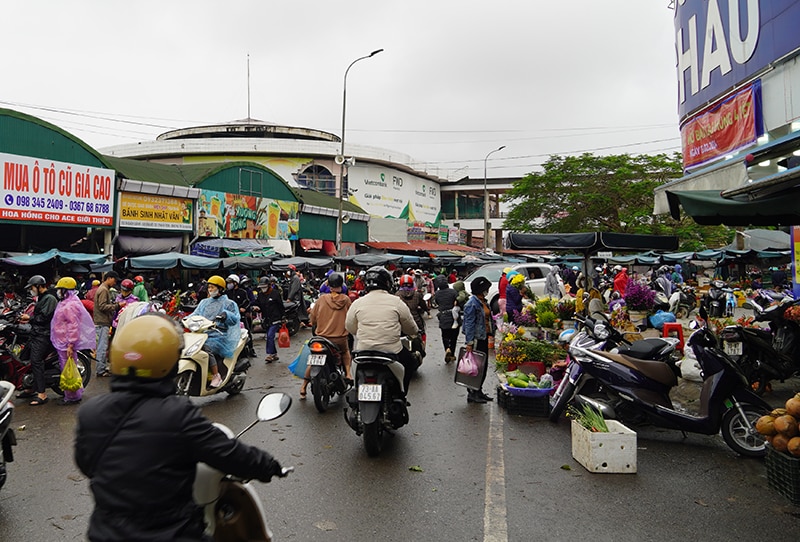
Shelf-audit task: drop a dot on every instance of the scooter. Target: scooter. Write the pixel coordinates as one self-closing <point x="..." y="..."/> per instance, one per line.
<point x="327" y="373"/>
<point x="683" y="301"/>
<point x="193" y="366"/>
<point x="715" y="299"/>
<point x="377" y="402"/>
<point x="6" y="433"/>
<point x="232" y="508"/>
<point x="637" y="391"/>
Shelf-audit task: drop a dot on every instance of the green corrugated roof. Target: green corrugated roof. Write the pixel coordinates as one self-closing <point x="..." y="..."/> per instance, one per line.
<point x="173" y="174"/>
<point x="312" y="197"/>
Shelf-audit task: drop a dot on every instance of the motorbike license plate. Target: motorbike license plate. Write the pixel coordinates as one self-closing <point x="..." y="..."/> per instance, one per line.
<point x="732" y="348"/>
<point x="316" y="360"/>
<point x="369" y="392"/>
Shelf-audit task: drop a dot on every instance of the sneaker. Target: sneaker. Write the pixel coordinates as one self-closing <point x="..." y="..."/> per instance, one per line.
<point x="216" y="381"/>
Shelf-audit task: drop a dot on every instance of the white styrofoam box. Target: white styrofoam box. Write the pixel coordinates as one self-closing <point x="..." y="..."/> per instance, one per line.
<point x="614" y="451"/>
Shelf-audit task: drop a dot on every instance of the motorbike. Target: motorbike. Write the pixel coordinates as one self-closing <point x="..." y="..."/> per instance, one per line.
<point x="636" y="391"/>
<point x="231" y="507"/>
<point x="291" y="317"/>
<point x="765" y="354"/>
<point x="15" y="365"/>
<point x="6" y="432"/>
<point x="193" y="365"/>
<point x="715" y="301"/>
<point x="327" y="373"/>
<point x="377" y="402"/>
<point x="683" y="301"/>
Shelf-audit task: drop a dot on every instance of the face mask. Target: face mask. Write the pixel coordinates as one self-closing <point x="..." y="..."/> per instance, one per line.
<point x="213" y="292"/>
<point x="229" y="286"/>
<point x="34" y="292"/>
<point x="61" y="293"/>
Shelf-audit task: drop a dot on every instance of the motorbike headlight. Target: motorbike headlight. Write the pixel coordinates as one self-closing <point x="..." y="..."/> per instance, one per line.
<point x="194" y="326"/>
<point x="601" y="331"/>
<point x="192" y="350"/>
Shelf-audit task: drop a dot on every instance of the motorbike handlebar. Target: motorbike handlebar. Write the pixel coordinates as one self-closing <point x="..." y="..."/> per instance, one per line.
<point x="285" y="471"/>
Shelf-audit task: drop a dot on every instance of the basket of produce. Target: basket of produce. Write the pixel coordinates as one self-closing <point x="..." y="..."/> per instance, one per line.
<point x="782" y="429"/>
<point x="521" y="384"/>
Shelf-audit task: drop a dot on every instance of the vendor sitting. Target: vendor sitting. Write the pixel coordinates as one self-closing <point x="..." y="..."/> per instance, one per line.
<point x="223" y="339"/>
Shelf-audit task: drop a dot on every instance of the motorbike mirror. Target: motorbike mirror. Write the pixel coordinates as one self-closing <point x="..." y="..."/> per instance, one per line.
<point x="703" y="313"/>
<point x="273" y="406"/>
<point x="190" y="285"/>
<point x="693" y="324"/>
<point x="427" y="297"/>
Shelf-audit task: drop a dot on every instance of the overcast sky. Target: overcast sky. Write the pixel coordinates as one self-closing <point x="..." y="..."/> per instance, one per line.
<point x="456" y="80"/>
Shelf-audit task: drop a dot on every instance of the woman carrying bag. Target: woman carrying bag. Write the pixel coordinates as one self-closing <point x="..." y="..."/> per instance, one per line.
<point x="478" y="326"/>
<point x="71" y="330"/>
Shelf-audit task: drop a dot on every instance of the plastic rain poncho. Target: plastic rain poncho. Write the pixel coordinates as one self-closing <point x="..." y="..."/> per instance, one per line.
<point x="71" y="325"/>
<point x="225" y="337"/>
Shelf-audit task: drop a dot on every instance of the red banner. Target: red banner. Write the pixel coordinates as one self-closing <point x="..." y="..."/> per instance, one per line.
<point x="724" y="129"/>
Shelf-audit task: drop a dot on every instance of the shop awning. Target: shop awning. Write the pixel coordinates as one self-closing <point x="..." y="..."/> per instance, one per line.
<point x="173" y="259"/>
<point x="301" y="263"/>
<point x="63" y="257"/>
<point x="709" y="208"/>
<point x="590" y="243"/>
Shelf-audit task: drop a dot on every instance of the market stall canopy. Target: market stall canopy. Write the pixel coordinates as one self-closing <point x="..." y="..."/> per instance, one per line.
<point x="709" y="208"/>
<point x="215" y="248"/>
<point x="246" y="262"/>
<point x="368" y="260"/>
<point x="63" y="257"/>
<point x="173" y="259"/>
<point x="301" y="263"/>
<point x="590" y="243"/>
<point x="762" y="240"/>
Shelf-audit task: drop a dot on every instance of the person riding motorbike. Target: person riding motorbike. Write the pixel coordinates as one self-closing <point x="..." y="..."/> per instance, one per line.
<point x="378" y="320"/>
<point x="412" y="297"/>
<point x="223" y="339"/>
<point x="140" y="444"/>
<point x="240" y="296"/>
<point x="39" y="344"/>
<point x="294" y="292"/>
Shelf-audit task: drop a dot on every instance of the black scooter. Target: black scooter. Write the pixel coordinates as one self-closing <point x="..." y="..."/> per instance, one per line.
<point x="327" y="373"/>
<point x="6" y="433"/>
<point x="637" y="391"/>
<point x="716" y="298"/>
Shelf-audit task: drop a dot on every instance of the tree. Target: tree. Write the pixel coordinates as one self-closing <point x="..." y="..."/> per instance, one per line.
<point x="604" y="193"/>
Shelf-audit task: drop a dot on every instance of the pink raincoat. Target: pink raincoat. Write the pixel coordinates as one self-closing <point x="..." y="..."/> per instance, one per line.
<point x="72" y="325"/>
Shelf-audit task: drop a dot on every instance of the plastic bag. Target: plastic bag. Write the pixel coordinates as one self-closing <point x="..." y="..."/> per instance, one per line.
<point x="298" y="366"/>
<point x="467" y="364"/>
<point x="70" y="377"/>
<point x="283" y="337"/>
<point x="660" y="318"/>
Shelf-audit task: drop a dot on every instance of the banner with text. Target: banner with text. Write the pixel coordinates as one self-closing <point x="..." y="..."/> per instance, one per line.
<point x="723" y="129"/>
<point x="246" y="217"/>
<point x="38" y="190"/>
<point x="156" y="212"/>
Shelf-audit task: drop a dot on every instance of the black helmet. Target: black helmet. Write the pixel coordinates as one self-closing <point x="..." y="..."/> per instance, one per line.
<point x="335" y="280"/>
<point x="36" y="280"/>
<point x="480" y="285"/>
<point x="378" y="278"/>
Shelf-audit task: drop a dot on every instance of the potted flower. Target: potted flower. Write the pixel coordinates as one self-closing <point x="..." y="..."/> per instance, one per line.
<point x="639" y="300"/>
<point x="565" y="310"/>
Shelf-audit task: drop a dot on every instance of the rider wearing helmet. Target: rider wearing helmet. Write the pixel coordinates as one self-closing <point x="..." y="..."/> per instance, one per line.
<point x="39" y="344"/>
<point x="244" y="301"/>
<point x="412" y="297"/>
<point x="71" y="330"/>
<point x="140" y="444"/>
<point x="139" y="290"/>
<point x="378" y="319"/>
<point x="325" y="287"/>
<point x="126" y="294"/>
<point x="294" y="292"/>
<point x="223" y="339"/>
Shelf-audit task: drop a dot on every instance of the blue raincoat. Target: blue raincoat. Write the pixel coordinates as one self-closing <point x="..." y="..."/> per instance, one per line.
<point x="222" y="340"/>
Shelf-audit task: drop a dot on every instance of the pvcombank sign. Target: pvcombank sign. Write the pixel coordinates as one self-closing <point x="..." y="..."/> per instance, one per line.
<point x="721" y="44"/>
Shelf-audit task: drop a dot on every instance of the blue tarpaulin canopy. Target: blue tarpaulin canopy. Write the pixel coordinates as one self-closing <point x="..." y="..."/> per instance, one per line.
<point x="63" y="257"/>
<point x="173" y="259"/>
<point x="301" y="263"/>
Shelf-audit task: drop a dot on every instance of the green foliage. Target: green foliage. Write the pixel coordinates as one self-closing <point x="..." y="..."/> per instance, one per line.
<point x="604" y="193"/>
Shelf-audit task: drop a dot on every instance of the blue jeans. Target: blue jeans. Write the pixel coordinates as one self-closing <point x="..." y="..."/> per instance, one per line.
<point x="271" y="332"/>
<point x="101" y="334"/>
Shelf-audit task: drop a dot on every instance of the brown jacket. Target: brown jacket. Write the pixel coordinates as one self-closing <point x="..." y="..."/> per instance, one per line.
<point x="328" y="315"/>
<point x="104" y="307"/>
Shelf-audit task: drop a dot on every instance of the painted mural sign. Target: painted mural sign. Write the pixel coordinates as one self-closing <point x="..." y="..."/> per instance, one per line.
<point x="156" y="212"/>
<point x="37" y="190"/>
<point x="234" y="216"/>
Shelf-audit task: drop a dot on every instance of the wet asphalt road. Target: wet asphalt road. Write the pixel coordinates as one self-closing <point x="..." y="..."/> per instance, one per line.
<point x="692" y="489"/>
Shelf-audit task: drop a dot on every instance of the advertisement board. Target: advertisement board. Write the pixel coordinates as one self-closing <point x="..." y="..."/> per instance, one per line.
<point x="723" y="43"/>
<point x="389" y="193"/>
<point x="37" y="190"/>
<point x="156" y="212"/>
<point x="234" y="216"/>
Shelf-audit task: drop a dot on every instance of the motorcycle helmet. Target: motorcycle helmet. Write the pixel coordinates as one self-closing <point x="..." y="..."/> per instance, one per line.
<point x="292" y="267"/>
<point x="36" y="280"/>
<point x="138" y="278"/>
<point x="362" y="273"/>
<point x="67" y="283"/>
<point x="263" y="283"/>
<point x="480" y="285"/>
<point x="335" y="280"/>
<point x="378" y="278"/>
<point x="617" y="268"/>
<point x="406" y="281"/>
<point x="217" y="281"/>
<point x="147" y="347"/>
<point x="232" y="278"/>
<point x="506" y="270"/>
<point x="127" y="285"/>
<point x="95" y="282"/>
<point x="566" y="336"/>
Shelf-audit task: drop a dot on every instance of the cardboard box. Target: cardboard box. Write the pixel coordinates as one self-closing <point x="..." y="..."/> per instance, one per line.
<point x="612" y="452"/>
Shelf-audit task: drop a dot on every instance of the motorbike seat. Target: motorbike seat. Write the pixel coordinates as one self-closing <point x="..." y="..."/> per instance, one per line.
<point x="373" y="354"/>
<point x="655" y="370"/>
<point x="643" y="349"/>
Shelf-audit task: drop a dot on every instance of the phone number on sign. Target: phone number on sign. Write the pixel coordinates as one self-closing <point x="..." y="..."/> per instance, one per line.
<point x="52" y="203"/>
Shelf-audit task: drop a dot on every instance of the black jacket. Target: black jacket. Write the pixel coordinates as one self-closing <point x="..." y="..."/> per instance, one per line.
<point x="271" y="305"/>
<point x="446" y="300"/>
<point x="43" y="313"/>
<point x="142" y="481"/>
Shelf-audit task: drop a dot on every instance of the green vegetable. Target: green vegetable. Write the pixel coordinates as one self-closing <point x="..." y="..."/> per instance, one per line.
<point x="517" y="383"/>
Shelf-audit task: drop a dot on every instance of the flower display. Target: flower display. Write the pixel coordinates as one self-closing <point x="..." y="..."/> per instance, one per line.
<point x="527" y="317"/>
<point x="792" y="313"/>
<point x="565" y="309"/>
<point x="639" y="296"/>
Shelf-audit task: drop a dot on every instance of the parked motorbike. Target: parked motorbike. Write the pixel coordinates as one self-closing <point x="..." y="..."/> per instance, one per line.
<point x="377" y="402"/>
<point x="765" y="354"/>
<point x="15" y="365"/>
<point x="193" y="366"/>
<point x="6" y="432"/>
<point x="327" y="373"/>
<point x="716" y="299"/>
<point x="232" y="508"/>
<point x="637" y="391"/>
<point x="683" y="301"/>
<point x="291" y="317"/>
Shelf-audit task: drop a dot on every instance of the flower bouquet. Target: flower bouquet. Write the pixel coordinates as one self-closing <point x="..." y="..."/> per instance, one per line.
<point x="565" y="309"/>
<point x="639" y="296"/>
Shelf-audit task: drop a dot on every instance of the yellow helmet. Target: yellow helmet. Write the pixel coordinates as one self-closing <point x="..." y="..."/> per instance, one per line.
<point x="506" y="269"/>
<point x="146" y="347"/>
<point x="68" y="283"/>
<point x="217" y="281"/>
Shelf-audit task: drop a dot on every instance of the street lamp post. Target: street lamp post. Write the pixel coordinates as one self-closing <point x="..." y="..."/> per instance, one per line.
<point x="341" y="154"/>
<point x="486" y="201"/>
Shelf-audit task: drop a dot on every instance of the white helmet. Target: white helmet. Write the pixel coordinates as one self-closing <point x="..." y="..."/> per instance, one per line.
<point x="232" y="278"/>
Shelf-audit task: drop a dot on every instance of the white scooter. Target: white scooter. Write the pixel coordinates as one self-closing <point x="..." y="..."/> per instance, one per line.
<point x="232" y="508"/>
<point x="193" y="367"/>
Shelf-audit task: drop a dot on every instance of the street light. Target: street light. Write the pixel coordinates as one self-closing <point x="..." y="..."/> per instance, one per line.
<point x="341" y="157"/>
<point x="486" y="201"/>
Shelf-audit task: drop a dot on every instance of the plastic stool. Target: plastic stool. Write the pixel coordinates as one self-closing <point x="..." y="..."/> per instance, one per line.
<point x="669" y="327"/>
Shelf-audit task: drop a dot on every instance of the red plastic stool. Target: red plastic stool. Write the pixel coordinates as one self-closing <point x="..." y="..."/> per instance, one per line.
<point x="669" y="327"/>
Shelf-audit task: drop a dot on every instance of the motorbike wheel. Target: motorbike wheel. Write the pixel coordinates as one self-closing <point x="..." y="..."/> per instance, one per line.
<point x="183" y="383"/>
<point x="373" y="438"/>
<point x="83" y="362"/>
<point x="293" y="325"/>
<point x="682" y="312"/>
<point x="235" y="388"/>
<point x="562" y="397"/>
<point x="319" y="389"/>
<point x="740" y="432"/>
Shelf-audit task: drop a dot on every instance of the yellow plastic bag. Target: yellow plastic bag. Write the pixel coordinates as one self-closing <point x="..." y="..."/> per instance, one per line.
<point x="70" y="377"/>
